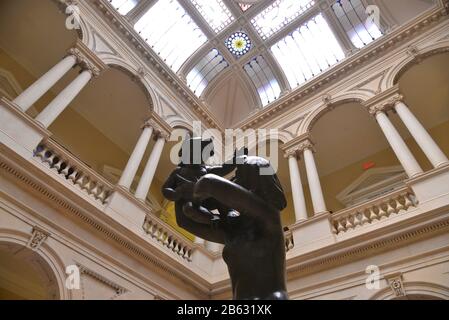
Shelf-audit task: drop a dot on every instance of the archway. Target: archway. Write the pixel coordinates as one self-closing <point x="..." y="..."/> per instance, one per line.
<point x="25" y="275"/>
<point x="348" y="143"/>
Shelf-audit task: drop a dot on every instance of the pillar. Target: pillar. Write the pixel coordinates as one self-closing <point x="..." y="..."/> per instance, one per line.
<point x="150" y="169"/>
<point x="60" y="103"/>
<point x="297" y="190"/>
<point x="421" y="136"/>
<point x="28" y="97"/>
<point x="134" y="161"/>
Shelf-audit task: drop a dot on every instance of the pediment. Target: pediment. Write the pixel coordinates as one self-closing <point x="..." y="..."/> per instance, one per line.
<point x="371" y="184"/>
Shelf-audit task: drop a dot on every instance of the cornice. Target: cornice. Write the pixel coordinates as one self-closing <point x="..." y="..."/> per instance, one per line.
<point x="338" y="72"/>
<point x="156" y="63"/>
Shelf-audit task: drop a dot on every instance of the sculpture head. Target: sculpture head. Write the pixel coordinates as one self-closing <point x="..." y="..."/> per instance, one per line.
<point x="196" y="150"/>
<point x="257" y="175"/>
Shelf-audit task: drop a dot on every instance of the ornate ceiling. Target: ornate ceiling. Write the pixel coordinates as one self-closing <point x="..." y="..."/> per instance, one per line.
<point x="241" y="56"/>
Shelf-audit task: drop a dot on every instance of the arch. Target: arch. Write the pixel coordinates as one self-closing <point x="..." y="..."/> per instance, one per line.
<point x="316" y="114"/>
<point x="135" y="77"/>
<point x="53" y="263"/>
<point x="394" y="75"/>
<point x="176" y="122"/>
<point x="415" y="288"/>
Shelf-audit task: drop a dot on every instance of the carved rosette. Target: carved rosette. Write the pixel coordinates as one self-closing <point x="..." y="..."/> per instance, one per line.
<point x="396" y="284"/>
<point x="38" y="237"/>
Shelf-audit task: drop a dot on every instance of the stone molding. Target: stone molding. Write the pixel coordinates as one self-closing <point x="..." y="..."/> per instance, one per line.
<point x="38" y="237"/>
<point x="160" y="127"/>
<point x="384" y="101"/>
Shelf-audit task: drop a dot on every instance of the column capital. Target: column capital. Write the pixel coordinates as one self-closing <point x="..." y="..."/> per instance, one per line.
<point x="160" y="127"/>
<point x="297" y="146"/>
<point x="87" y="59"/>
<point x="384" y="101"/>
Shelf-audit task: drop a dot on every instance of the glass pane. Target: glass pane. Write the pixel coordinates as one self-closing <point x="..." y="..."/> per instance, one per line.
<point x="170" y="31"/>
<point x="124" y="6"/>
<point x="205" y="71"/>
<point x="214" y="12"/>
<point x="308" y="51"/>
<point x="263" y="79"/>
<point x="355" y="21"/>
<point x="278" y="15"/>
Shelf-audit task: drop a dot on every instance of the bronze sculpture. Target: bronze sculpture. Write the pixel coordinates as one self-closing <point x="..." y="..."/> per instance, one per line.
<point x="248" y="223"/>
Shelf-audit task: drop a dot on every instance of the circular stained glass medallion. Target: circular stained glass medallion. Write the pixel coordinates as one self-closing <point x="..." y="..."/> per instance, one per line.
<point x="239" y="43"/>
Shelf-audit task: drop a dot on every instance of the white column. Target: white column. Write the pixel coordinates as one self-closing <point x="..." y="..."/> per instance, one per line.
<point x="422" y="137"/>
<point x="58" y="105"/>
<point x="319" y="206"/>
<point x="299" y="201"/>
<point x="134" y="161"/>
<point x="150" y="169"/>
<point x="28" y="97"/>
<point x="398" y="145"/>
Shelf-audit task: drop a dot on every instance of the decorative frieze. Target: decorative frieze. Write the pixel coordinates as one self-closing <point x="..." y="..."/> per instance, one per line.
<point x="38" y="237"/>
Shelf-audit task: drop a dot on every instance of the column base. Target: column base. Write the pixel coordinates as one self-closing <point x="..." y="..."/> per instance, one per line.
<point x="312" y="234"/>
<point x="18" y="130"/>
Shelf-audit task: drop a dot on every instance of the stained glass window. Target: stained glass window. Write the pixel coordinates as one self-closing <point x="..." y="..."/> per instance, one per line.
<point x="171" y="32"/>
<point x="263" y="79"/>
<point x="214" y="12"/>
<point x="353" y="18"/>
<point x="278" y="15"/>
<point x="205" y="71"/>
<point x="239" y="43"/>
<point x="123" y="6"/>
<point x="308" y="51"/>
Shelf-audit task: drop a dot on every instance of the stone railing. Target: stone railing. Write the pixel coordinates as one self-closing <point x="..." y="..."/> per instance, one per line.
<point x="168" y="237"/>
<point x="73" y="171"/>
<point x="382" y="208"/>
<point x="289" y="243"/>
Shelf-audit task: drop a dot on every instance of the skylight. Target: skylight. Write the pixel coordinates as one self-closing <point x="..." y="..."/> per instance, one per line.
<point x="353" y="18"/>
<point x="308" y="51"/>
<point x="123" y="6"/>
<point x="205" y="71"/>
<point x="170" y="31"/>
<point x="214" y="12"/>
<point x="263" y="79"/>
<point x="278" y="15"/>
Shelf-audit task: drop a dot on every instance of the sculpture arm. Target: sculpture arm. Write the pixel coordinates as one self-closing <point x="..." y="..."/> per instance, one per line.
<point x="203" y="231"/>
<point x="236" y="197"/>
